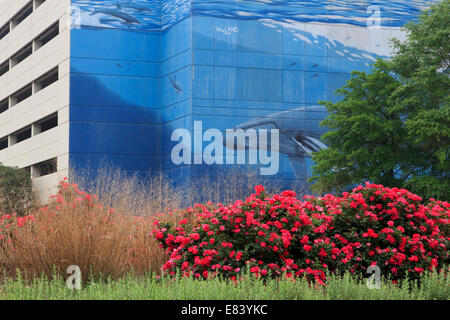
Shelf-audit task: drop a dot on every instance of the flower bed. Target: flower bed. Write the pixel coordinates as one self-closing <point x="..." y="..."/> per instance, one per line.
<point x="274" y="235"/>
<point x="270" y="235"/>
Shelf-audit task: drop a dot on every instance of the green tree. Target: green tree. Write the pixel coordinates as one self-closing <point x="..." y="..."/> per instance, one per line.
<point x="367" y="138"/>
<point x="392" y="124"/>
<point x="16" y="191"/>
<point x="422" y="62"/>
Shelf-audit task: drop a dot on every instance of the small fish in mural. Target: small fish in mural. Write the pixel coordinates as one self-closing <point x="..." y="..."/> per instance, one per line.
<point x="133" y="5"/>
<point x="348" y="38"/>
<point x="116" y="13"/>
<point x="292" y="64"/>
<point x="316" y="75"/>
<point x="316" y="65"/>
<point x="175" y="84"/>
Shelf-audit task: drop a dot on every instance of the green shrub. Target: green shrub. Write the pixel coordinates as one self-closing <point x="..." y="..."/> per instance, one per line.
<point x="16" y="191"/>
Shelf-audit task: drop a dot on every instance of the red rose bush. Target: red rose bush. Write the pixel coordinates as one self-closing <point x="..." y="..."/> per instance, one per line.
<point x="282" y="235"/>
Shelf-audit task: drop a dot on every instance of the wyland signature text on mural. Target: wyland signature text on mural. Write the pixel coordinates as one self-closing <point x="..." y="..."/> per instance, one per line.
<point x="227" y="30"/>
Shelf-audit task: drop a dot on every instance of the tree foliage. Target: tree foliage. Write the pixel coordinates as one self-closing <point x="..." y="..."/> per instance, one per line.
<point x="16" y="191"/>
<point x="392" y="125"/>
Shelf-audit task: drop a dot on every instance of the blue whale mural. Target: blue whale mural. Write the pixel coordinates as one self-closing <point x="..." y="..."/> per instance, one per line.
<point x="295" y="141"/>
<point x="232" y="64"/>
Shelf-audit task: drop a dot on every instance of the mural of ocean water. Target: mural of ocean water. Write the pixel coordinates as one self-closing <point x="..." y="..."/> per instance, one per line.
<point x="242" y="64"/>
<point x="134" y="15"/>
<point x="161" y="14"/>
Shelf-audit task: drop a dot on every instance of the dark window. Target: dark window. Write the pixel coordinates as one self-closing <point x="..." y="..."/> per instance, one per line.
<point x="22" y="54"/>
<point x="49" y="123"/>
<point x="45" y="168"/>
<point x="4" y="104"/>
<point x="4" y="30"/>
<point x="3" y="143"/>
<point x="23" y="134"/>
<point x="46" y="80"/>
<point x="47" y="35"/>
<point x="4" y="67"/>
<point x="38" y="3"/>
<point x="21" y="95"/>
<point x="22" y="14"/>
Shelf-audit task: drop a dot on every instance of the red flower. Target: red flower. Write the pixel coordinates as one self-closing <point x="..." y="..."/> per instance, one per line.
<point x="254" y="269"/>
<point x="259" y="189"/>
<point x="289" y="193"/>
<point x="419" y="270"/>
<point x="305" y="239"/>
<point x="322" y="253"/>
<point x="195" y="236"/>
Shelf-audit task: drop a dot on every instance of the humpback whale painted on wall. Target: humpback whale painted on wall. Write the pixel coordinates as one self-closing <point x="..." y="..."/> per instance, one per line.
<point x="295" y="140"/>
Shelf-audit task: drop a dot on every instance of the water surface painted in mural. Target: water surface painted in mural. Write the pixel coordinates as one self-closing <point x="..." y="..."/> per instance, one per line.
<point x="153" y="14"/>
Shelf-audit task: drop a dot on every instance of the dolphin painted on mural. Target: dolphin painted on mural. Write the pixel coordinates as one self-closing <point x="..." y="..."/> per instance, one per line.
<point x="116" y="13"/>
<point x="175" y="84"/>
<point x="133" y="5"/>
<point x="296" y="141"/>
